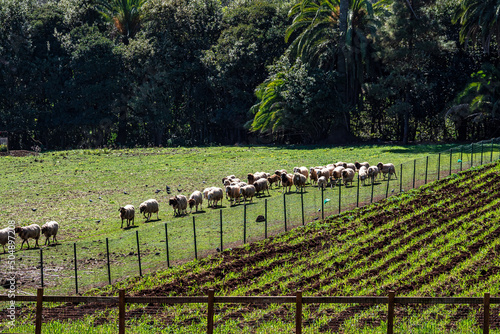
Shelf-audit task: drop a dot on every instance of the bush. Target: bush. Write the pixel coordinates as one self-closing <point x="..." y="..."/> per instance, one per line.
<point x="3" y="148"/>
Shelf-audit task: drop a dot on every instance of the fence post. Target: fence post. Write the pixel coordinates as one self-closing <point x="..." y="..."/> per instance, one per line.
<point x="451" y="157"/>
<point x="401" y="178"/>
<point x="387" y="188"/>
<point x="138" y="252"/>
<point x="284" y="208"/>
<point x="461" y="156"/>
<point x="486" y="317"/>
<point x="265" y="218"/>
<point x="298" y="312"/>
<point x="76" y="269"/>
<point x="210" y="312"/>
<point x="39" y="308"/>
<point x="194" y="234"/>
<point x="340" y="197"/>
<point x="166" y="245"/>
<point x="41" y="266"/>
<point x="322" y="203"/>
<point x="371" y="197"/>
<point x="245" y="223"/>
<point x="414" y="171"/>
<point x="121" y="311"/>
<point x="439" y="165"/>
<point x="107" y="255"/>
<point x="221" y="231"/>
<point x="426" y="168"/>
<point x="302" y="205"/>
<point x="390" y="313"/>
<point x="357" y="194"/>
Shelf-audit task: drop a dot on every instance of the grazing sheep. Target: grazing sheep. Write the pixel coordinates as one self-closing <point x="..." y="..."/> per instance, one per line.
<point x="287" y="181"/>
<point x="324" y="172"/>
<point x="195" y="199"/>
<point x="280" y="171"/>
<point x="49" y="229"/>
<point x="302" y="170"/>
<point x="4" y="236"/>
<point x="337" y="174"/>
<point x="150" y="206"/>
<point x="322" y="182"/>
<point x="313" y="175"/>
<point x="348" y="176"/>
<point x="273" y="179"/>
<point x="248" y="191"/>
<point x="179" y="203"/>
<point x="233" y="194"/>
<point x="215" y="195"/>
<point x="28" y="232"/>
<point x="341" y="164"/>
<point x="127" y="212"/>
<point x="372" y="173"/>
<point x="261" y="185"/>
<point x="352" y="166"/>
<point x="257" y="176"/>
<point x="387" y="169"/>
<point x="205" y="194"/>
<point x="359" y="165"/>
<point x="299" y="180"/>
<point x="363" y="174"/>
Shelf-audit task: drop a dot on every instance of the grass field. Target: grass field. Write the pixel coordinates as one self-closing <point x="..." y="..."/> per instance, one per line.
<point x="83" y="190"/>
<point x="440" y="240"/>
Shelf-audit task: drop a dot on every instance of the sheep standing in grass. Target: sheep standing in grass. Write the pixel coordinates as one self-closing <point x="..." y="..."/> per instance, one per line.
<point x="313" y="175"/>
<point x="337" y="174"/>
<point x="348" y="176"/>
<point x="179" y="203"/>
<point x="273" y="179"/>
<point x="299" y="180"/>
<point x="256" y="176"/>
<point x="352" y="166"/>
<point x="149" y="207"/>
<point x="215" y="195"/>
<point x="302" y="170"/>
<point x="287" y="181"/>
<point x="359" y="165"/>
<point x="322" y="182"/>
<point x="324" y="172"/>
<point x="49" y="229"/>
<point x="4" y="236"/>
<point x="233" y="194"/>
<point x="248" y="191"/>
<point x="387" y="169"/>
<point x="372" y="173"/>
<point x="363" y="174"/>
<point x="28" y="232"/>
<point x="206" y="191"/>
<point x="195" y="199"/>
<point x="341" y="164"/>
<point x="261" y="185"/>
<point x="127" y="212"/>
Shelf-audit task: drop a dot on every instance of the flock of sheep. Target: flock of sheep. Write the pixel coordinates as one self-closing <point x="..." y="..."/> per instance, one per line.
<point x="235" y="190"/>
<point x="32" y="231"/>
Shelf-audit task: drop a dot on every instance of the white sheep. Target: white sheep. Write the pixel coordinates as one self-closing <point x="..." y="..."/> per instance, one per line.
<point x="4" y="236"/>
<point x="233" y="194"/>
<point x="372" y="173"/>
<point x="299" y="180"/>
<point x="322" y="182"/>
<point x="248" y="191"/>
<point x="127" y="212"/>
<point x="313" y="175"/>
<point x="387" y="169"/>
<point x="337" y="174"/>
<point x="195" y="199"/>
<point x="302" y="170"/>
<point x="28" y="232"/>
<point x="49" y="229"/>
<point x="348" y="175"/>
<point x="363" y="174"/>
<point x="261" y="185"/>
<point x="215" y="195"/>
<point x="359" y="165"/>
<point x="352" y="166"/>
<point x="149" y="207"/>
<point x="179" y="203"/>
<point x="206" y="191"/>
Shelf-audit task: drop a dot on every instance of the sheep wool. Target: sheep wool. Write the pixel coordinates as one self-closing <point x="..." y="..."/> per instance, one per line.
<point x="49" y="229"/>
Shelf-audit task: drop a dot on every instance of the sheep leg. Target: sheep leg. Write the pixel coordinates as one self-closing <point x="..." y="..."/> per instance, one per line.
<point x="122" y="224"/>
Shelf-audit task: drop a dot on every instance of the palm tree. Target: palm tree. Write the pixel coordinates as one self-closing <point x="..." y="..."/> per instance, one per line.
<point x="125" y="14"/>
<point x="480" y="20"/>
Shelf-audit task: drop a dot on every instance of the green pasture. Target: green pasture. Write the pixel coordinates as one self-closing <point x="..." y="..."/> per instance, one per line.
<point x="83" y="189"/>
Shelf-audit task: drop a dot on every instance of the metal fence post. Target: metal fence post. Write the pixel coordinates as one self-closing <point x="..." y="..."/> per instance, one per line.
<point x="107" y="256"/>
<point x="414" y="171"/>
<point x="41" y="267"/>
<point x="76" y="269"/>
<point x="302" y="205"/>
<point x="284" y="209"/>
<point x="426" y="168"/>
<point x="245" y="223"/>
<point x="461" y="156"/>
<point x="340" y="197"/>
<point x="322" y="203"/>
<point x="265" y="218"/>
<point x="451" y="157"/>
<point x="401" y="179"/>
<point x="357" y="194"/>
<point x="194" y="235"/>
<point x="371" y="197"/>
<point x="138" y="252"/>
<point x="221" y="231"/>
<point x="166" y="245"/>
<point x="387" y="188"/>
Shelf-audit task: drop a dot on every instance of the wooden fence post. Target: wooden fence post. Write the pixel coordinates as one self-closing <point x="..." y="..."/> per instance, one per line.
<point x="298" y="313"/>
<point x="121" y="311"/>
<point x="210" y="313"/>
<point x="390" y="313"/>
<point x="486" y="318"/>
<point x="39" y="308"/>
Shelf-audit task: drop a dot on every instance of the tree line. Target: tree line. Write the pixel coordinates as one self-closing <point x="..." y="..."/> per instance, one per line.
<point x="93" y="73"/>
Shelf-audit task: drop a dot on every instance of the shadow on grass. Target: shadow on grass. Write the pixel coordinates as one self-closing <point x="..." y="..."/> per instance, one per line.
<point x="130" y="227"/>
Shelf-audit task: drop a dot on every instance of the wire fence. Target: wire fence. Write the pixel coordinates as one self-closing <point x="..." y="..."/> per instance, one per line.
<point x="77" y="267"/>
<point x="313" y="314"/>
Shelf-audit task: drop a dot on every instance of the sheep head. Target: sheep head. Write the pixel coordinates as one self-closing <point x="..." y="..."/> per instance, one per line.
<point x="191" y="203"/>
<point x="380" y="165"/>
<point x="173" y="201"/>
